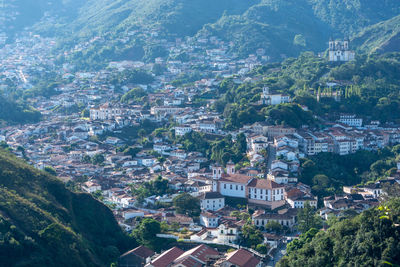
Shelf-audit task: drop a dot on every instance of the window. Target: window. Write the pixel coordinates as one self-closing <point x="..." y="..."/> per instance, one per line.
<point x="237" y="187"/>
<point x="224" y="186"/>
<point x="231" y="186"/>
<point x="241" y="188"/>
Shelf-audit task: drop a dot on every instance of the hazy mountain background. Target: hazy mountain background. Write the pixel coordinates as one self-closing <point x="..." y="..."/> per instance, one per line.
<point x="281" y="27"/>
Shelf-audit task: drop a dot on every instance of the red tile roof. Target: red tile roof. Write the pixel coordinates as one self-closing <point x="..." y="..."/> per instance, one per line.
<point x="167" y="257"/>
<point x="140" y="251"/>
<point x="201" y="253"/>
<point x="236" y="178"/>
<point x="242" y="258"/>
<point x="264" y="183"/>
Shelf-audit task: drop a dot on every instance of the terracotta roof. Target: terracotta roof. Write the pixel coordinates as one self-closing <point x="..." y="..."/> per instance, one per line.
<point x="264" y="183"/>
<point x="201" y="253"/>
<point x="236" y="178"/>
<point x="140" y="251"/>
<point x="242" y="258"/>
<point x="167" y="257"/>
<point x="208" y="214"/>
<point x="211" y="195"/>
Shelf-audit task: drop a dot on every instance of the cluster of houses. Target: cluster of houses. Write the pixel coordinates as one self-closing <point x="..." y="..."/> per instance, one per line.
<point x="201" y="255"/>
<point x="90" y="150"/>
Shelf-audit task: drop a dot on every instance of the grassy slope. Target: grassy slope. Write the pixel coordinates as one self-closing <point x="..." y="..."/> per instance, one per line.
<point x="42" y="223"/>
<point x="381" y="37"/>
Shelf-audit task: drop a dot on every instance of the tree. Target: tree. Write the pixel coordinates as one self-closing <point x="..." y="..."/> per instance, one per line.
<point x="274" y="226"/>
<point x="97" y="159"/>
<point x="262" y="248"/>
<point x="146" y="232"/>
<point x="251" y="236"/>
<point x="368" y="239"/>
<point x="308" y="219"/>
<point x="86" y="159"/>
<point x="187" y="204"/>
<point x="50" y="170"/>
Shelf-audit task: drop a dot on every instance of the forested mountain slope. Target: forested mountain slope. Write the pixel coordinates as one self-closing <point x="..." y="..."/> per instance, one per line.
<point x="44" y="224"/>
<point x="281" y="27"/>
<point x="382" y="37"/>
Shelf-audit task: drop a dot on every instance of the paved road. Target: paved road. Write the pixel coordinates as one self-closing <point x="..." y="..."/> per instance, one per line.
<point x="281" y="251"/>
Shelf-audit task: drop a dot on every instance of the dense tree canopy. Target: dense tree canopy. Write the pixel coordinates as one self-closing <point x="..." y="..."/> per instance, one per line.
<point x="187" y="204"/>
<point x="369" y="239"/>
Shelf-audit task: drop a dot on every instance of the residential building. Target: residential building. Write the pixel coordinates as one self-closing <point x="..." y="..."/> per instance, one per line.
<point x="212" y="201"/>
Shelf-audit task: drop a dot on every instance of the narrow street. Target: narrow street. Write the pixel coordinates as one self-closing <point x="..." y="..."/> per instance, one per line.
<point x="271" y="155"/>
<point x="280" y="252"/>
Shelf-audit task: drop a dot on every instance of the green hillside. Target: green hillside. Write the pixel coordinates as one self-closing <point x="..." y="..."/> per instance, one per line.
<point x="44" y="224"/>
<point x="29" y="12"/>
<point x="381" y="37"/>
<point x="11" y="112"/>
<point x="369" y="239"/>
<point x="274" y="26"/>
<point x="281" y="27"/>
<point x="351" y="16"/>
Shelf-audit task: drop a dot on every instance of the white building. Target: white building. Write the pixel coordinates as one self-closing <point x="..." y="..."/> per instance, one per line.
<point x="209" y="220"/>
<point x="340" y="51"/>
<point x="351" y="120"/>
<point x="258" y="191"/>
<point x="273" y="99"/>
<point x="91" y="187"/>
<point x="266" y="192"/>
<point x="212" y="201"/>
<point x="182" y="130"/>
<point x="299" y="202"/>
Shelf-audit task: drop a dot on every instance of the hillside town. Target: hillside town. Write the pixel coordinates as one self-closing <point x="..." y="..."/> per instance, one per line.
<point x="105" y="152"/>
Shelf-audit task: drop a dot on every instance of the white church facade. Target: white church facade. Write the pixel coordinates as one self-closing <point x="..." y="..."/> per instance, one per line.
<point x="339" y="51"/>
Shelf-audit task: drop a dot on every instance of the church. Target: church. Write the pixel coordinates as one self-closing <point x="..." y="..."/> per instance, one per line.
<point x="263" y="192"/>
<point x="339" y="51"/>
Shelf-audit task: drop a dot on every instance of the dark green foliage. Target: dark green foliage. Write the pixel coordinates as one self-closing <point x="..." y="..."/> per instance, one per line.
<point x="289" y="114"/>
<point x="327" y="173"/>
<point x="369" y="239"/>
<point x="146" y="232"/>
<point x="308" y="219"/>
<point x="44" y="224"/>
<point x="97" y="159"/>
<point x="158" y="186"/>
<point x="218" y="149"/>
<point x="133" y="96"/>
<point x="187" y="204"/>
<point x="12" y="112"/>
<point x="132" y="77"/>
<point x="262" y="248"/>
<point x="50" y="170"/>
<point x="251" y="236"/>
